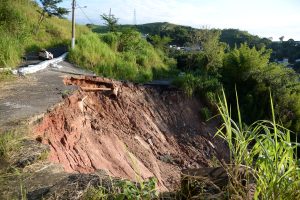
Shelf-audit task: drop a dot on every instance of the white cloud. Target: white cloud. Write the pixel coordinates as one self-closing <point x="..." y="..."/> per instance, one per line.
<point x="265" y="18"/>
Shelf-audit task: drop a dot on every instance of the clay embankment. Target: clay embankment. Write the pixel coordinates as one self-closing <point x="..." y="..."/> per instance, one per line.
<point x="143" y="132"/>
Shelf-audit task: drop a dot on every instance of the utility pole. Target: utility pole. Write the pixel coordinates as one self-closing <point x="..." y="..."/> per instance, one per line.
<point x="109" y="13"/>
<point x="73" y="24"/>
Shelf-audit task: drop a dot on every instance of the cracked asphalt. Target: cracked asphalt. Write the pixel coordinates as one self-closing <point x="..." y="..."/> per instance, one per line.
<point x="33" y="94"/>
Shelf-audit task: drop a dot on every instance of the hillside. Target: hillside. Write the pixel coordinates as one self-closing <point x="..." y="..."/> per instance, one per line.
<point x="127" y="116"/>
<point x="228" y="36"/>
<point x="18" y="25"/>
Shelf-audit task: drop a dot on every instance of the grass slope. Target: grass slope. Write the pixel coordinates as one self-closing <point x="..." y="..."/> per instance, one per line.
<point x="18" y="21"/>
<point x="123" y="55"/>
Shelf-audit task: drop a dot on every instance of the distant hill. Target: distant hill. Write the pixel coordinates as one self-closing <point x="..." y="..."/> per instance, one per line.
<point x="231" y="37"/>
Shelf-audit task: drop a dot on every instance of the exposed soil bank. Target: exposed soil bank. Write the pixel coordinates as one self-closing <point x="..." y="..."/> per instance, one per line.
<point x="143" y="132"/>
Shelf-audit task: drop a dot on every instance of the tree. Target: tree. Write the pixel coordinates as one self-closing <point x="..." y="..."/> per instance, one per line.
<point x="212" y="48"/>
<point x="110" y="21"/>
<point x="49" y="9"/>
<point x="160" y="42"/>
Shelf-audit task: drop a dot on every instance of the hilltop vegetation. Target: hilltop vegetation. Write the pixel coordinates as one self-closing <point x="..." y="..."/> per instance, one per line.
<point x="183" y="36"/>
<point x="18" y="22"/>
<point x="121" y="55"/>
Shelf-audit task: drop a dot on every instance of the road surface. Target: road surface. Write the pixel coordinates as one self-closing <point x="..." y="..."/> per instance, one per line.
<point x="33" y="94"/>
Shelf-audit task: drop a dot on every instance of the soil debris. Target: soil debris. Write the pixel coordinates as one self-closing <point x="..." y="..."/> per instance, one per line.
<point x="146" y="131"/>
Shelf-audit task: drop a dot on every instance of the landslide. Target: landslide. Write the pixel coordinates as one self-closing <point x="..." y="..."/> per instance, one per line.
<point x="145" y="131"/>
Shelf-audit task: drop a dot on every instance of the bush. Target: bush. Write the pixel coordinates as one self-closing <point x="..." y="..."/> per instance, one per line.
<point x="188" y="83"/>
<point x="124" y="56"/>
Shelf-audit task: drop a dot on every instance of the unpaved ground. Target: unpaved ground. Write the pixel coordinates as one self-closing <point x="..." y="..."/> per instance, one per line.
<point x="33" y="94"/>
<point x="146" y="131"/>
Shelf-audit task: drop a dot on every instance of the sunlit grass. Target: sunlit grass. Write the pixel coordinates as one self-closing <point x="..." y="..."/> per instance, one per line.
<point x="261" y="154"/>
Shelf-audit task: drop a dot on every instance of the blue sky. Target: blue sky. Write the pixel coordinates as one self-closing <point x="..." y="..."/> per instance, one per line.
<point x="266" y="18"/>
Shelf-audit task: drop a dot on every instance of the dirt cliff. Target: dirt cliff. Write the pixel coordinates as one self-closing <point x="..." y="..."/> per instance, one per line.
<point x="145" y="131"/>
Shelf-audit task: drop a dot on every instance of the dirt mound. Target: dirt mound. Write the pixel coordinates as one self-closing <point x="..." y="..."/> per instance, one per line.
<point x="143" y="132"/>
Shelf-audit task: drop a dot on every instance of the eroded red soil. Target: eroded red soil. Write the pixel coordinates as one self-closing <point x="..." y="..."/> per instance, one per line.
<point x="144" y="132"/>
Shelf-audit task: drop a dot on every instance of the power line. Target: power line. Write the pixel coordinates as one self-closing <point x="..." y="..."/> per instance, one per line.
<point x="85" y="14"/>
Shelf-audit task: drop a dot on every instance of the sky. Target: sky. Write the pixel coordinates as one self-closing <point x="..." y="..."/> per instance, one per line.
<point x="265" y="18"/>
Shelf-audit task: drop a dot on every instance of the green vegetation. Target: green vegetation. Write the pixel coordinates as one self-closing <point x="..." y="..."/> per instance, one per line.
<point x="110" y="21"/>
<point x="245" y="69"/>
<point x="6" y="76"/>
<point x="18" y="20"/>
<point x="121" y="55"/>
<point x="9" y="142"/>
<point x="49" y="9"/>
<point x="183" y="36"/>
<point x="236" y="37"/>
<point x="123" y="189"/>
<point x="261" y="154"/>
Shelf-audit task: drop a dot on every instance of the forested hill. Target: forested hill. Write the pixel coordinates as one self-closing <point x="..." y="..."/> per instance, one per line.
<point x="181" y="35"/>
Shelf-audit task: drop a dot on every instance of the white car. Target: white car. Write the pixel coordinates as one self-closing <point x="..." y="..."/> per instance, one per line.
<point x="45" y="55"/>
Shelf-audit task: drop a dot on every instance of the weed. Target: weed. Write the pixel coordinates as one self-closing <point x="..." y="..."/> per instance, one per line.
<point x="263" y="159"/>
<point x="124" y="189"/>
<point x="6" y="76"/>
<point x="9" y="142"/>
<point x="44" y="155"/>
<point x="205" y="113"/>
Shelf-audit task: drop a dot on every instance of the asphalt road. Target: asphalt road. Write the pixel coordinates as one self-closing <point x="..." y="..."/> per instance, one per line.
<point x="33" y="57"/>
<point x="33" y="94"/>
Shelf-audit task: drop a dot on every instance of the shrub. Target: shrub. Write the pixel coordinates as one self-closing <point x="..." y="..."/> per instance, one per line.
<point x="188" y="82"/>
<point x="124" y="56"/>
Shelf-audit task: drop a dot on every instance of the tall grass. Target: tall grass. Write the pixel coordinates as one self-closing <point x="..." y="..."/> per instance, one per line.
<point x="9" y="142"/>
<point x="18" y="21"/>
<point x="122" y="56"/>
<point x="263" y="159"/>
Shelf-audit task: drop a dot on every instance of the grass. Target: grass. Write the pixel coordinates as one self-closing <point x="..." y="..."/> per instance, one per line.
<point x="6" y="76"/>
<point x="124" y="189"/>
<point x="124" y="56"/>
<point x="9" y="142"/>
<point x="18" y="21"/>
<point x="262" y="154"/>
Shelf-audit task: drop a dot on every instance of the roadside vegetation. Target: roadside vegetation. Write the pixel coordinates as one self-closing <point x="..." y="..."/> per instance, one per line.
<point x="9" y="142"/>
<point x="18" y="25"/>
<point x="263" y="150"/>
<point x="124" y="189"/>
<point x="245" y="69"/>
<point x="263" y="160"/>
<point x="121" y="55"/>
